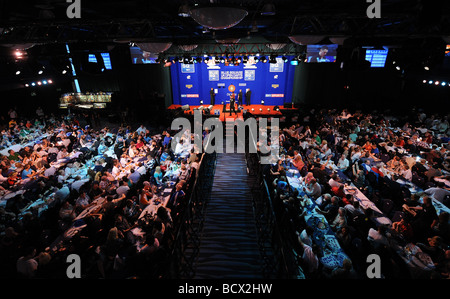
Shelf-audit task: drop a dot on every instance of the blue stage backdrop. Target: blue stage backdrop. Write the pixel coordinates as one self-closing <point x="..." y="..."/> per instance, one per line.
<point x="270" y="82"/>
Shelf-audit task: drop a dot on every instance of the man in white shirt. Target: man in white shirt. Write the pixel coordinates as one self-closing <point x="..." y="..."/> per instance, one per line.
<point x="334" y="181"/>
<point x="343" y="163"/>
<point x="78" y="183"/>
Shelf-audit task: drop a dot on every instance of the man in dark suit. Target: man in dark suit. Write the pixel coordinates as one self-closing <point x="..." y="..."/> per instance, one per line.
<point x="213" y="96"/>
<point x="240" y="97"/>
<point x="248" y="93"/>
<point x="232" y="103"/>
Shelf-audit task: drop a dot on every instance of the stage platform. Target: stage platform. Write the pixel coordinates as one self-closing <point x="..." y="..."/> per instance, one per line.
<point x="256" y="110"/>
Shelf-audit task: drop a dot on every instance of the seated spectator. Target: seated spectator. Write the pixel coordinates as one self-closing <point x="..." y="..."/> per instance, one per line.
<point x="27" y="264"/>
<point x="313" y="189"/>
<point x="158" y="175"/>
<point x="330" y="211"/>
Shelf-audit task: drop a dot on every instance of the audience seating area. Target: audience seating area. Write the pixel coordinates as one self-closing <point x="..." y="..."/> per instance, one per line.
<point x="114" y="196"/>
<point x="347" y="185"/>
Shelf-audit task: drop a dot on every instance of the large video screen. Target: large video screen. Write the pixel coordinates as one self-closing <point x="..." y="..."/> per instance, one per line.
<point x="377" y="58"/>
<point x="139" y="56"/>
<point x="321" y="53"/>
<point x="106" y="60"/>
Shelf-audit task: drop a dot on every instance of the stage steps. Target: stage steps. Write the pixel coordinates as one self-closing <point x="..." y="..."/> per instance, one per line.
<point x="228" y="242"/>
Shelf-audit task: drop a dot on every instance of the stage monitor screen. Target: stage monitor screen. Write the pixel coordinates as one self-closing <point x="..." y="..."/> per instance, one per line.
<point x="139" y="56"/>
<point x="321" y="53"/>
<point x="106" y="60"/>
<point x="377" y="58"/>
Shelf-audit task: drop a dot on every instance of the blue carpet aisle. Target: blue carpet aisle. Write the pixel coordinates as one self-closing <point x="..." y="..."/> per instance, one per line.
<point x="228" y="245"/>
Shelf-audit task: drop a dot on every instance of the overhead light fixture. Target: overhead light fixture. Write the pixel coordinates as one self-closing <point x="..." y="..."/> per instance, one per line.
<point x="218" y="18"/>
<point x="268" y="10"/>
<point x="184" y="11"/>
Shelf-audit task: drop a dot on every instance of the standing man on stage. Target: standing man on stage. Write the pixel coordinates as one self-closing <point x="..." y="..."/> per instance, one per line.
<point x="213" y="96"/>
<point x="240" y="97"/>
<point x="248" y="93"/>
<point x="232" y="103"/>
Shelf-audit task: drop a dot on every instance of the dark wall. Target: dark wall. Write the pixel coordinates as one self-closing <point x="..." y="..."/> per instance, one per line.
<point x="330" y="86"/>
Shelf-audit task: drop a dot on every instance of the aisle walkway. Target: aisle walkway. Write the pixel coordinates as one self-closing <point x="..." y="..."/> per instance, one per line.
<point x="228" y="246"/>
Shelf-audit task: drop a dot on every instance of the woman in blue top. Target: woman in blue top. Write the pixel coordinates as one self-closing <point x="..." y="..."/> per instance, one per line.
<point x="158" y="175"/>
<point x="27" y="172"/>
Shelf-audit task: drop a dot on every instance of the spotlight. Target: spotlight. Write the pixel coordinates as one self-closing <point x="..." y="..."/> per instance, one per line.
<point x="273" y="59"/>
<point x="263" y="59"/>
<point x="18" y="73"/>
<point x="436" y="83"/>
<point x="426" y="68"/>
<point x="19" y="54"/>
<point x="424" y="81"/>
<point x="443" y="83"/>
<point x="40" y="72"/>
<point x="398" y="68"/>
<point x="44" y="82"/>
<point x="33" y="84"/>
<point x="284" y="59"/>
<point x="294" y="61"/>
<point x="50" y="81"/>
<point x="39" y="83"/>
<point x="64" y="71"/>
<point x="262" y="102"/>
<point x="27" y="85"/>
<point x="430" y="82"/>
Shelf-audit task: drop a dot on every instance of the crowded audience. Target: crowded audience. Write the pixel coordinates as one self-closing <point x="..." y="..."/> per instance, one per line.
<point x="112" y="195"/>
<point x="399" y="166"/>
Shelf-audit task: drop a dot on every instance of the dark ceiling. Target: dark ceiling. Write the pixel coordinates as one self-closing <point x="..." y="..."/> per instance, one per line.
<point x="45" y="21"/>
<point x="420" y="27"/>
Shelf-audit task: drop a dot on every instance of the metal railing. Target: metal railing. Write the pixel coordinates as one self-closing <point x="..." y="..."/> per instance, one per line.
<point x="186" y="243"/>
<point x="280" y="259"/>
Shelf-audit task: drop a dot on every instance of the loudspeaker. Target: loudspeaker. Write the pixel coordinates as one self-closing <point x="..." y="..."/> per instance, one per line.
<point x="185" y="107"/>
